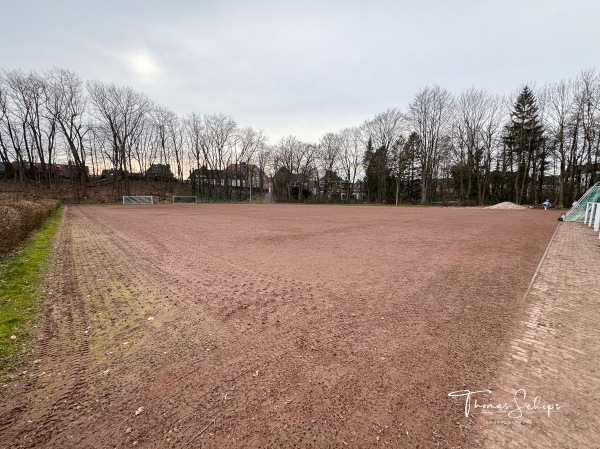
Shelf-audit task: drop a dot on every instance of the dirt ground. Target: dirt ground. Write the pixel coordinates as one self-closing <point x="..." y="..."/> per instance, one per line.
<point x="280" y="326"/>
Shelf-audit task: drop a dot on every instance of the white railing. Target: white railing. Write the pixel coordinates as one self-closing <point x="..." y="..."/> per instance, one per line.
<point x="592" y="216"/>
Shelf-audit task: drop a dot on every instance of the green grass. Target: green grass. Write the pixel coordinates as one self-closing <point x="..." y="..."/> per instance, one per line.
<point x="21" y="277"/>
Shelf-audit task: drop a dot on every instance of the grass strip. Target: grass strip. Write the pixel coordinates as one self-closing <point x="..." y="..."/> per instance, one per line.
<point x="21" y="277"/>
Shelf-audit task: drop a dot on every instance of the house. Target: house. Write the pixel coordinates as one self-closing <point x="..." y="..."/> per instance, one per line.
<point x="109" y="174"/>
<point x="160" y="172"/>
<point x="67" y="170"/>
<point x="248" y="175"/>
<point x="334" y="187"/>
<point x="239" y="176"/>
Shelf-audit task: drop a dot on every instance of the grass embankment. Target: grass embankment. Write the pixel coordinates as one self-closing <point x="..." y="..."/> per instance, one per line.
<point x="21" y="276"/>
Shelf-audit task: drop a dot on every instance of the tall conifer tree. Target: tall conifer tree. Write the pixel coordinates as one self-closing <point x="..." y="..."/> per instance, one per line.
<point x="523" y="137"/>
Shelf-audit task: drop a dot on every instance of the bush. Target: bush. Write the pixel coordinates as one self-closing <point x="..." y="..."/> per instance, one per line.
<point x="18" y="219"/>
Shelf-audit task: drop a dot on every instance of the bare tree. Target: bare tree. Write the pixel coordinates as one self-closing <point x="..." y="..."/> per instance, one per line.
<point x="162" y="124"/>
<point x="220" y="133"/>
<point x="384" y="129"/>
<point x="491" y="140"/>
<point x="559" y="99"/>
<point x="588" y="97"/>
<point x="476" y="123"/>
<point x="66" y="104"/>
<point x="168" y="133"/>
<point x="561" y="108"/>
<point x="294" y="166"/>
<point x="306" y="162"/>
<point x="327" y="157"/>
<point x="176" y="139"/>
<point x="145" y="151"/>
<point x="8" y="149"/>
<point x="195" y="134"/>
<point x="263" y="159"/>
<point x="31" y="131"/>
<point x="430" y="115"/>
<point x="381" y="134"/>
<point x="121" y="111"/>
<point x="247" y="144"/>
<point x="352" y="147"/>
<point x="99" y="142"/>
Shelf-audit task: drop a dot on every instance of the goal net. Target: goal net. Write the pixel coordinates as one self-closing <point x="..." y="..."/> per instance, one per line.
<point x="138" y="200"/>
<point x="184" y="200"/>
<point x="581" y="208"/>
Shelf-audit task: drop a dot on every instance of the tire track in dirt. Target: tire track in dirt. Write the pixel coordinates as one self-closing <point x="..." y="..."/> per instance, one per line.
<point x="212" y="279"/>
<point x="65" y="337"/>
<point x="294" y="338"/>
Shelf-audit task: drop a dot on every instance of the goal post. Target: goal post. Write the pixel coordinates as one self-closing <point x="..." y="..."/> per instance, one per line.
<point x="138" y="200"/>
<point x="184" y="200"/>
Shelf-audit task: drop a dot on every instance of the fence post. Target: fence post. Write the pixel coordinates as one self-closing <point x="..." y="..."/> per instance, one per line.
<point x="592" y="211"/>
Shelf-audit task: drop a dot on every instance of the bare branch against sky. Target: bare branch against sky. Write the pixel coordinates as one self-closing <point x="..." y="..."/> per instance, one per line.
<point x="303" y="68"/>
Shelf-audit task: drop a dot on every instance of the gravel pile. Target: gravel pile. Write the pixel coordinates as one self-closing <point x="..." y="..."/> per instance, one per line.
<point x="506" y="205"/>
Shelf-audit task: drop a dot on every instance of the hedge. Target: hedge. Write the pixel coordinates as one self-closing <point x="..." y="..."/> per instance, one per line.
<point x="18" y="219"/>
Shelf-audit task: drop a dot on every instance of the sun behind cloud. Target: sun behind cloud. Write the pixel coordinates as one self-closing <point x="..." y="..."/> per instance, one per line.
<point x="144" y="66"/>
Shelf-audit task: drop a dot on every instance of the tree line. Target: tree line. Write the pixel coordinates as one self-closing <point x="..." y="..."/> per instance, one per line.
<point x="469" y="148"/>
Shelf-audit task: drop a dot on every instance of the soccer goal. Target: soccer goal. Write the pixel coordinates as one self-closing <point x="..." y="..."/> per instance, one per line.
<point x="184" y="200"/>
<point x="138" y="200"/>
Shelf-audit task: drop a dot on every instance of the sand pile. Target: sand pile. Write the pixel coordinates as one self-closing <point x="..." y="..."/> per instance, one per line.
<point x="506" y="205"/>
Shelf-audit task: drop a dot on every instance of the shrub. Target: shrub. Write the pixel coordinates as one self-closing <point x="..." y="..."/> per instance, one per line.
<point x="18" y="219"/>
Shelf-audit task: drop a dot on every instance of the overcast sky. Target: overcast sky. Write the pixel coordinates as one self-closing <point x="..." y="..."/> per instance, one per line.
<point x="302" y="67"/>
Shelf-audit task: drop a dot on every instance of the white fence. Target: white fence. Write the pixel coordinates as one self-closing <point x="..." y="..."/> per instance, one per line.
<point x="592" y="216"/>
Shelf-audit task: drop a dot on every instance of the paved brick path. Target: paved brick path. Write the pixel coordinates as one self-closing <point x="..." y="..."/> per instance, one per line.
<point x="555" y="353"/>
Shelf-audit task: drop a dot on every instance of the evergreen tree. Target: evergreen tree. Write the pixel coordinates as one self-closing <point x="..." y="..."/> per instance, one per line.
<point x="370" y="175"/>
<point x="377" y="170"/>
<point x="523" y="137"/>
